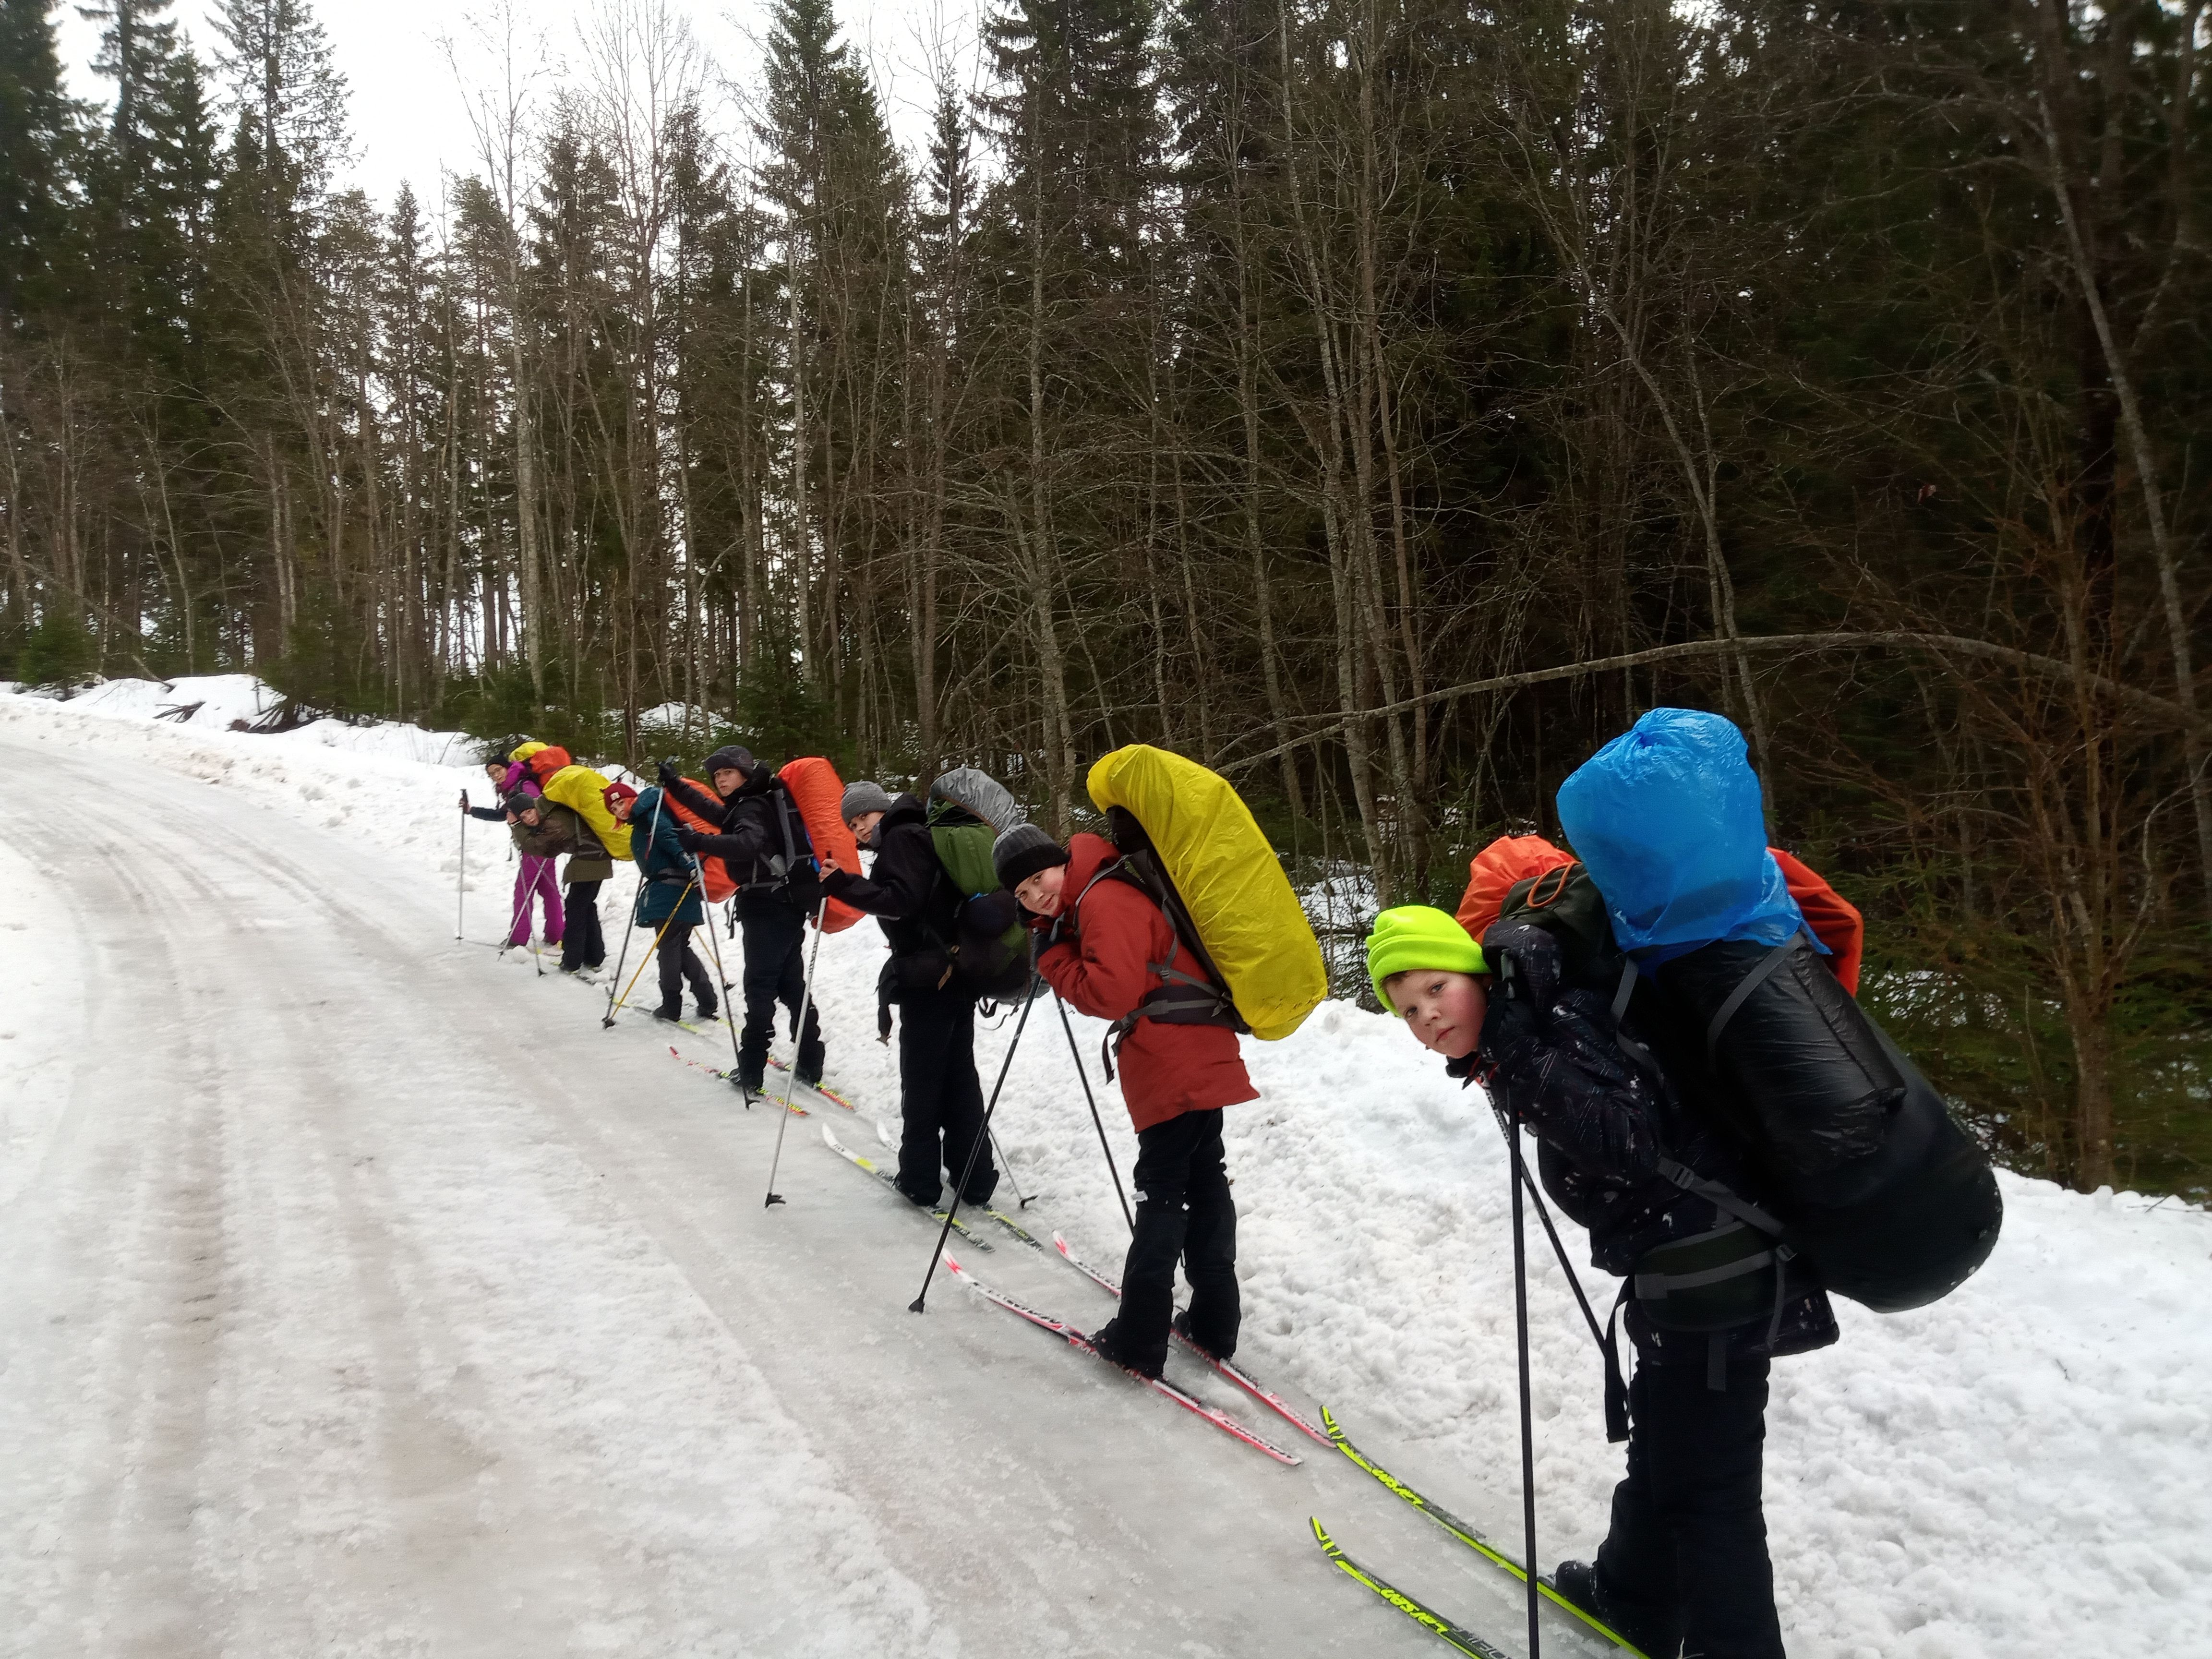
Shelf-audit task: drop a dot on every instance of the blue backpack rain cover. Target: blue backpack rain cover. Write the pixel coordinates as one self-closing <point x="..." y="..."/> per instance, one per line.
<point x="1666" y="817"/>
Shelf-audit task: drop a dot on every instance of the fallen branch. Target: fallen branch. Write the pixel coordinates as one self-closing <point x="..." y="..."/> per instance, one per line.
<point x="2164" y="709"/>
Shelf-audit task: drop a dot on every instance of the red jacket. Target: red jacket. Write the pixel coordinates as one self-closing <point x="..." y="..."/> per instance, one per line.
<point x="1166" y="1069"/>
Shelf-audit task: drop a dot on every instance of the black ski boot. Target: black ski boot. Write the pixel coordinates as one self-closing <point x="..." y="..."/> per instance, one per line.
<point x="1108" y="1340"/>
<point x="673" y="1015"/>
<point x="710" y="1012"/>
<point x="1577" y="1581"/>
<point x="1181" y="1326"/>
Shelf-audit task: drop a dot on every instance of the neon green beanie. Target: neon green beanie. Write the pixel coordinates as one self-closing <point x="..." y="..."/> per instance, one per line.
<point x="1419" y="936"/>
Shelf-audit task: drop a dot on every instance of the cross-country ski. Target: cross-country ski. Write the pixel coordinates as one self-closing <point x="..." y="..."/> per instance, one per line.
<point x="1082" y="1344"/>
<point x="1229" y="1369"/>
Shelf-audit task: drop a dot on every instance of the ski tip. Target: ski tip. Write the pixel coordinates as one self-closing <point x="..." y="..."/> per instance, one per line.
<point x="830" y="1139"/>
<point x="1059" y="1243"/>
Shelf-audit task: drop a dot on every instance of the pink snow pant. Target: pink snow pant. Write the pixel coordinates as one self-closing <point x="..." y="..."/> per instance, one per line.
<point x="536" y="879"/>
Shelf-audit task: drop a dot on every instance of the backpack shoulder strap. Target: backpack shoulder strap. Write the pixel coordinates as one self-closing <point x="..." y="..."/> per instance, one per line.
<point x="1750" y="982"/>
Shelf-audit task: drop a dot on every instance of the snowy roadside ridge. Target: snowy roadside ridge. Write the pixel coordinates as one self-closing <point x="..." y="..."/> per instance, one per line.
<point x="2027" y="1464"/>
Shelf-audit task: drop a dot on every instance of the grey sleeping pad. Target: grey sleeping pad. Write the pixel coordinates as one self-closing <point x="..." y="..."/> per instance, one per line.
<point x="979" y="793"/>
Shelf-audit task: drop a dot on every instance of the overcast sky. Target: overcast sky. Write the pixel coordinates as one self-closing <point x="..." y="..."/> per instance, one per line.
<point x="407" y="116"/>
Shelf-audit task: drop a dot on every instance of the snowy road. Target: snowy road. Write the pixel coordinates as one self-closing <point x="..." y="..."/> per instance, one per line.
<point x="356" y="1308"/>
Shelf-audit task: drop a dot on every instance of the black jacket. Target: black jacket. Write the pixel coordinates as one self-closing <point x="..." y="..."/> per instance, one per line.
<point x="763" y="841"/>
<point x="1604" y="1122"/>
<point x="907" y="891"/>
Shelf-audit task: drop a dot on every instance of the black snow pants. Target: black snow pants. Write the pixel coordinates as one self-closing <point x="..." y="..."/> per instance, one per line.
<point x="1685" y="1562"/>
<point x="1184" y="1214"/>
<point x="775" y="971"/>
<point x="679" y="962"/>
<point x="940" y="1098"/>
<point x="582" y="944"/>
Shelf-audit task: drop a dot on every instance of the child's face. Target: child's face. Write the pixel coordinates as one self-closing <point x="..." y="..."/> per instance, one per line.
<point x="494" y="771"/>
<point x="1041" y="894"/>
<point x="622" y="807"/>
<point x="864" y="827"/>
<point x="728" y="781"/>
<point x="1444" y="1010"/>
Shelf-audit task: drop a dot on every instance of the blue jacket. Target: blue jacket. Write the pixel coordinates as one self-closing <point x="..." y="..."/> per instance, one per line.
<point x="665" y="866"/>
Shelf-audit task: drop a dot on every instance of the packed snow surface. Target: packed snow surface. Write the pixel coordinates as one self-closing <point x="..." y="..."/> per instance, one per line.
<point x="367" y="1297"/>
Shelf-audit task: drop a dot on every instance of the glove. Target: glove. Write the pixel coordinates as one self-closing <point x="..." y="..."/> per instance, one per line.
<point x="690" y="839"/>
<point x="1509" y="1033"/>
<point x="1526" y="959"/>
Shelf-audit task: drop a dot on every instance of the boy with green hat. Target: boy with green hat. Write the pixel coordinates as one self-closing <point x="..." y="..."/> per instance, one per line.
<point x="1685" y="1559"/>
<point x="1431" y="974"/>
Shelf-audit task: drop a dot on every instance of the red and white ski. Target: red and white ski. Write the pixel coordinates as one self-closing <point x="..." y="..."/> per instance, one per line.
<point x="1268" y="1397"/>
<point x="1081" y="1344"/>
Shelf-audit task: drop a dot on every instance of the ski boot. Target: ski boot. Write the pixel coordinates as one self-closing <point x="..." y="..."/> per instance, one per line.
<point x="1181" y="1325"/>
<point x="1108" y="1340"/>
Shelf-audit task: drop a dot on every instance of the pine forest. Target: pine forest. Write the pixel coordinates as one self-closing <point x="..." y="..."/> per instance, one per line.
<point x="1382" y="402"/>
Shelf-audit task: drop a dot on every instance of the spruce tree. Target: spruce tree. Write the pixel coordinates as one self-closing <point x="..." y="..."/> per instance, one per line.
<point x="36" y="136"/>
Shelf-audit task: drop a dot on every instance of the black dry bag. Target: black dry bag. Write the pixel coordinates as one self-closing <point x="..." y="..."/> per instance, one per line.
<point x="1889" y="1198"/>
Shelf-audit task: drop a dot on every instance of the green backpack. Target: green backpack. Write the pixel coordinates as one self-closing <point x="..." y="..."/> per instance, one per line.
<point x="990" y="947"/>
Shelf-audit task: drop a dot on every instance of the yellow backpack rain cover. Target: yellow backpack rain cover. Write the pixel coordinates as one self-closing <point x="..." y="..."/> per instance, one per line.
<point x="1233" y="884"/>
<point x="583" y="790"/>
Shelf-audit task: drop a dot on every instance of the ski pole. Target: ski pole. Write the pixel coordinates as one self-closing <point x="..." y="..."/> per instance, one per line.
<point x="976" y="1147"/>
<point x="713" y="940"/>
<point x="790" y="1078"/>
<point x="999" y="1152"/>
<point x="523" y="900"/>
<point x="461" y="867"/>
<point x="647" y="957"/>
<point x="1098" y="1122"/>
<point x="1544" y="1215"/>
<point x="1527" y="1424"/>
<point x="636" y="899"/>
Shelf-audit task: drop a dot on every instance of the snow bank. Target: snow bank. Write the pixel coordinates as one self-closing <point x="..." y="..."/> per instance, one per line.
<point x="2026" y="1467"/>
<point x="217" y="701"/>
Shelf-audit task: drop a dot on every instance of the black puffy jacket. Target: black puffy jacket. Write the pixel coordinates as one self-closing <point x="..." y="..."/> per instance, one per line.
<point x="908" y="893"/>
<point x="763" y="841"/>
<point x="1603" y="1123"/>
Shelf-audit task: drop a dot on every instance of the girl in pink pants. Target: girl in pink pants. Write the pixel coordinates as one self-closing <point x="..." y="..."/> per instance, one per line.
<point x="535" y="879"/>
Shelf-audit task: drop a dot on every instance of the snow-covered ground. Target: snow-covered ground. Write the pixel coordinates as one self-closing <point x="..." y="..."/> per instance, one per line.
<point x="366" y="1297"/>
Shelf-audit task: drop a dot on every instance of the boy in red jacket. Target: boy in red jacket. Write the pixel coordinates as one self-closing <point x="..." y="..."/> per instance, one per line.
<point x="1108" y="942"/>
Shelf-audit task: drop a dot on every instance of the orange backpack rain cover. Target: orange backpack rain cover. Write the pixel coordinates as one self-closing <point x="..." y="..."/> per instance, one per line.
<point x="819" y="791"/>
<point x="545" y="762"/>
<point x="1830" y="916"/>
<point x="1496" y="868"/>
<point x="1510" y="859"/>
<point x="719" y="885"/>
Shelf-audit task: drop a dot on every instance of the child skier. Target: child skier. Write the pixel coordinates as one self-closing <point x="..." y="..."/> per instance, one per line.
<point x="671" y="903"/>
<point x="764" y="845"/>
<point x="1107" y="945"/>
<point x="1686" y="1558"/>
<point x="940" y="1096"/>
<point x="533" y="880"/>
<point x="547" y="830"/>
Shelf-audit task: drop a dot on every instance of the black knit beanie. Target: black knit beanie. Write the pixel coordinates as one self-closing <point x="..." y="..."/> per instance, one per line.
<point x="1021" y="852"/>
